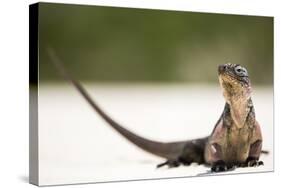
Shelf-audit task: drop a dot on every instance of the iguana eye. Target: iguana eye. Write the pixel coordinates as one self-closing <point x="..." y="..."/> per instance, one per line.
<point x="240" y="71"/>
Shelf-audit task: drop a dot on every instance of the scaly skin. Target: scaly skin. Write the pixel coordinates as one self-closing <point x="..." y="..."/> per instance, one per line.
<point x="235" y="141"/>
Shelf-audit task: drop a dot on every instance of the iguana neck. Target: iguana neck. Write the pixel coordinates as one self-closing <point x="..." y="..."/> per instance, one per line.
<point x="238" y="113"/>
<point x="239" y="103"/>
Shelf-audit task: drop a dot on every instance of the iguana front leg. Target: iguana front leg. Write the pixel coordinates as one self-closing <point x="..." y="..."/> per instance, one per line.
<point x="253" y="159"/>
<point x="218" y="164"/>
<point x="213" y="150"/>
<point x="255" y="148"/>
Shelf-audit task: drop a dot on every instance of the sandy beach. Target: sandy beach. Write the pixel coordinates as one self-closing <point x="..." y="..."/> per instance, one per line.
<point x="77" y="146"/>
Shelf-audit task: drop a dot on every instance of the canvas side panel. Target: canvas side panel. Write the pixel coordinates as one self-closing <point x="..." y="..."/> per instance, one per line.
<point x="33" y="95"/>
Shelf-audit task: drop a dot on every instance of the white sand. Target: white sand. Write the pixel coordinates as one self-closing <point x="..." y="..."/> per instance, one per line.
<point x="77" y="146"/>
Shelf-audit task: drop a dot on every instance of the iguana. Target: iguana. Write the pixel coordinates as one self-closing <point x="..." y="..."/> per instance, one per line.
<point x="236" y="140"/>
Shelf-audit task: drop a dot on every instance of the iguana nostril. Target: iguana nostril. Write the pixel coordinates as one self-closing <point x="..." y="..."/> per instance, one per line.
<point x="222" y="68"/>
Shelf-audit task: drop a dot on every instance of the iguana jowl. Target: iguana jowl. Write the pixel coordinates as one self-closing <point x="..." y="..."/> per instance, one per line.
<point x="236" y="140"/>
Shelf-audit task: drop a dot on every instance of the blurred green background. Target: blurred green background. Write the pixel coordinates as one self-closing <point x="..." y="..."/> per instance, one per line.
<point x="107" y="44"/>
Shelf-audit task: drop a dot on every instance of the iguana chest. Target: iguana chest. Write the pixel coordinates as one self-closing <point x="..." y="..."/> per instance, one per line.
<point x="235" y="144"/>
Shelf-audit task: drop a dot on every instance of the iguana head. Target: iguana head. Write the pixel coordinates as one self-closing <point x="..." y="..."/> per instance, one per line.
<point x="235" y="82"/>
